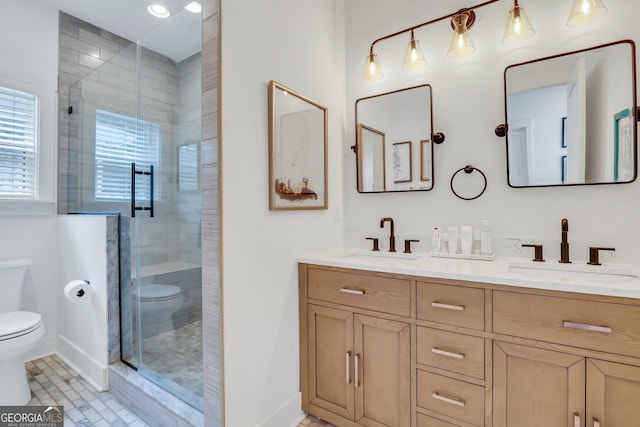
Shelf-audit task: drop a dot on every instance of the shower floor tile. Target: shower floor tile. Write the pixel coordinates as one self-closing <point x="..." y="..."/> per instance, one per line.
<point x="176" y="355"/>
<point x="52" y="382"/>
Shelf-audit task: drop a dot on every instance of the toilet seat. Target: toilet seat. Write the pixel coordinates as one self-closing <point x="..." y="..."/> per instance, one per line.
<point x="17" y="323"/>
<point x="154" y="293"/>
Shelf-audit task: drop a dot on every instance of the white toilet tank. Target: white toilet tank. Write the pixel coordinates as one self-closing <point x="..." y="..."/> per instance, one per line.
<point x="12" y="279"/>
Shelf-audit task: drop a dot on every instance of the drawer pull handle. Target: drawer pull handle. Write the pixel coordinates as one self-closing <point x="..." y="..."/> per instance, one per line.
<point x="576" y="420"/>
<point x="447" y="353"/>
<point x="584" y="327"/>
<point x="447" y="306"/>
<point x="596" y="423"/>
<point x="352" y="291"/>
<point x="459" y="403"/>
<point x="357" y="371"/>
<point x="347" y="363"/>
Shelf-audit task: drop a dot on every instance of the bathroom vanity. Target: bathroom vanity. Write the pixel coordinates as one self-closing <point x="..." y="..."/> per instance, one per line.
<point x="426" y="342"/>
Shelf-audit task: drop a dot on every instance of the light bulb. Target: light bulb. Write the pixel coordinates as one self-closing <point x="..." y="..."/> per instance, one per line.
<point x="517" y="25"/>
<point x="584" y="12"/>
<point x="372" y="69"/>
<point x="413" y="58"/>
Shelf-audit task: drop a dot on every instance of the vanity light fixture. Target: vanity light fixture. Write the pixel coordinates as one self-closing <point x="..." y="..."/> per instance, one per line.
<point x="413" y="57"/>
<point x="194" y="7"/>
<point x="158" y="10"/>
<point x="372" y="69"/>
<point x="519" y="27"/>
<point x="461" y="44"/>
<point x="585" y="12"/>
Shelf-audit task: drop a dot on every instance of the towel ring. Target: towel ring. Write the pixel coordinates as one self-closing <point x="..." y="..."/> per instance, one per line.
<point x="469" y="169"/>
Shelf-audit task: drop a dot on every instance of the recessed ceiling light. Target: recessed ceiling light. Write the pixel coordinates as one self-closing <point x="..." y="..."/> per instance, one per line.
<point x="194" y="7"/>
<point x="158" y="10"/>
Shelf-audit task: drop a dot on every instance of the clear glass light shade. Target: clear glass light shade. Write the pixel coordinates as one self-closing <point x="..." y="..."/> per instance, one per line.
<point x="519" y="27"/>
<point x="461" y="44"/>
<point x="585" y="11"/>
<point x="413" y="57"/>
<point x="372" y="69"/>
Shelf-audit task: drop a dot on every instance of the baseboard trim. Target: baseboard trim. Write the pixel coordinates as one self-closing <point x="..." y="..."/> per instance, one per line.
<point x="90" y="369"/>
<point x="288" y="414"/>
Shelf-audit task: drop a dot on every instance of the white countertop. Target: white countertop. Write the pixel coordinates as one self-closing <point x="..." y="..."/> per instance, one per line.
<point x="619" y="280"/>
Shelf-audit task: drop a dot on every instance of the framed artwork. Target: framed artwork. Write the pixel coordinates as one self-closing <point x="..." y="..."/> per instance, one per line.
<point x="623" y="155"/>
<point x="563" y="166"/>
<point x="297" y="151"/>
<point x="426" y="150"/>
<point x="563" y="143"/>
<point x="402" y="161"/>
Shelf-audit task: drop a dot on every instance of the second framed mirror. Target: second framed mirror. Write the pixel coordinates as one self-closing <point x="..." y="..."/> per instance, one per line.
<point x="394" y="141"/>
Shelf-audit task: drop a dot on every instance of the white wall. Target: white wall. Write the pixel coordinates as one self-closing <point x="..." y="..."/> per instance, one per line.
<point x="468" y="103"/>
<point x="83" y="328"/>
<point x="61" y="248"/>
<point x="298" y="43"/>
<point x="29" y="53"/>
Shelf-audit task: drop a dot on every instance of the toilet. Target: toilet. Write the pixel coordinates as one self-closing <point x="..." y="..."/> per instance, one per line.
<point x="20" y="331"/>
<point x="158" y="302"/>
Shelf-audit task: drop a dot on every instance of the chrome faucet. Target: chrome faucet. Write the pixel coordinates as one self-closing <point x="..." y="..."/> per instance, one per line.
<point x="564" y="245"/>
<point x="392" y="237"/>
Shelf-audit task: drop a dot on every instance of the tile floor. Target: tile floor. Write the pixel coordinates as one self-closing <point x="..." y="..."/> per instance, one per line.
<point x="314" y="422"/>
<point x="52" y="382"/>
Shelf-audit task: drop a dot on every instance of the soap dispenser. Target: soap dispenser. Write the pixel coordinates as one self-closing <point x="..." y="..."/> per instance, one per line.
<point x="486" y="240"/>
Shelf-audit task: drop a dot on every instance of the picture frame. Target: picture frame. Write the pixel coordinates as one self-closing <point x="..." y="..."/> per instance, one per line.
<point x="426" y="153"/>
<point x="563" y="169"/>
<point x="563" y="141"/>
<point x="402" y="162"/>
<point x="297" y="151"/>
<point x="623" y="137"/>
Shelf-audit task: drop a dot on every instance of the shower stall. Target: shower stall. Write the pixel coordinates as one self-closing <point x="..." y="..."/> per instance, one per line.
<point x="134" y="150"/>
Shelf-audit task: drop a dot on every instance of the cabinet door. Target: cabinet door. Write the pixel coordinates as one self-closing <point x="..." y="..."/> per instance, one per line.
<point x="534" y="387"/>
<point x="613" y="394"/>
<point x="383" y="372"/>
<point x="331" y="360"/>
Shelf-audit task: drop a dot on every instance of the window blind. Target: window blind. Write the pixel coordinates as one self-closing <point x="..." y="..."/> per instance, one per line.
<point x="120" y="141"/>
<point x="18" y="144"/>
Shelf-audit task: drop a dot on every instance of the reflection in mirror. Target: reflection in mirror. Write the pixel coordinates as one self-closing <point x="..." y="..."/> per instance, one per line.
<point x="371" y="153"/>
<point x="571" y="118"/>
<point x="188" y="166"/>
<point x="389" y="127"/>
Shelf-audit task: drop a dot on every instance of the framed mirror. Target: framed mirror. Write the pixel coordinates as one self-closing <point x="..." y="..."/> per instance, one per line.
<point x="571" y="118"/>
<point x="389" y="128"/>
<point x="297" y="151"/>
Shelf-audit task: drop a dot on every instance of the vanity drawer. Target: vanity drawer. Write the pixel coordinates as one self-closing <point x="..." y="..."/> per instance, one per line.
<point x="370" y="292"/>
<point x="425" y="421"/>
<point x="454" y="352"/>
<point x="457" y="399"/>
<point x="451" y="305"/>
<point x="608" y="327"/>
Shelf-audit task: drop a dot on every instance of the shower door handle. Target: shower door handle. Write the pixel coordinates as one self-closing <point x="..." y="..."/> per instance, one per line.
<point x="135" y="208"/>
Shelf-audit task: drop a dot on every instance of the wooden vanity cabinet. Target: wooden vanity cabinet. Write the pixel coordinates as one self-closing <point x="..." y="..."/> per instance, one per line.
<point x="388" y="350"/>
<point x="359" y="366"/>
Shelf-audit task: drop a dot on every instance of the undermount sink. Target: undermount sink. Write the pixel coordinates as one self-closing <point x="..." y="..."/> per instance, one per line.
<point x="551" y="270"/>
<point x="379" y="256"/>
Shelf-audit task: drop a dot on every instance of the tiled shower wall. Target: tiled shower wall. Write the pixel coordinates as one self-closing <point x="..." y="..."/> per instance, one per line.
<point x="211" y="286"/>
<point x="168" y="95"/>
